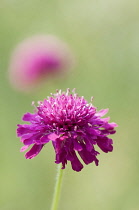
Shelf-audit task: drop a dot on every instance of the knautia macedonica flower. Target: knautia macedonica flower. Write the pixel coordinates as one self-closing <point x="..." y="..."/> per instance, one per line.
<point x="74" y="127"/>
<point x="38" y="58"/>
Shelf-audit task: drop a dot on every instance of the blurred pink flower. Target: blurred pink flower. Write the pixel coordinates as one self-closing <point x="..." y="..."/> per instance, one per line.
<point x="38" y="58"/>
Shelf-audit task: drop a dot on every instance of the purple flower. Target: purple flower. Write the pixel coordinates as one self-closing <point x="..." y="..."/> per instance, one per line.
<point x="73" y="126"/>
<point x="38" y="58"/>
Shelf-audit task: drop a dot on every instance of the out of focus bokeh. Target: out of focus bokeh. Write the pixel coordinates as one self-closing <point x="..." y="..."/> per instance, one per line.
<point x="104" y="36"/>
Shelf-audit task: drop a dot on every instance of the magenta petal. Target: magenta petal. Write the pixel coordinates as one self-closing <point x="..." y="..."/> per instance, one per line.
<point x="110" y="126"/>
<point x="89" y="146"/>
<point x="77" y="146"/>
<point x="105" y="120"/>
<point x="45" y="139"/>
<point x="49" y="137"/>
<point x="33" y="139"/>
<point x="29" y="117"/>
<point x="88" y="157"/>
<point x="53" y="136"/>
<point x="102" y="112"/>
<point x="105" y="144"/>
<point x="93" y="132"/>
<point x="25" y="129"/>
<point x="61" y="157"/>
<point x="76" y="164"/>
<point x="24" y="148"/>
<point x="64" y="162"/>
<point x="35" y="150"/>
<point x="28" y="141"/>
<point x="26" y="136"/>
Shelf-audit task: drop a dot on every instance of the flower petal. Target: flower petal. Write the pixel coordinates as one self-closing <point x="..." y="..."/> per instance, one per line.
<point x="24" y="148"/>
<point x="29" y="117"/>
<point x="33" y="139"/>
<point x="35" y="150"/>
<point x="77" y="146"/>
<point x="45" y="139"/>
<point x="53" y="136"/>
<point x="102" y="112"/>
<point x="88" y="157"/>
<point x="105" y="144"/>
<point x="76" y="164"/>
<point x="24" y="129"/>
<point x="110" y="126"/>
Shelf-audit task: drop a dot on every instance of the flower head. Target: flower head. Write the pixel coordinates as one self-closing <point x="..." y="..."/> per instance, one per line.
<point x="74" y="127"/>
<point x="38" y="58"/>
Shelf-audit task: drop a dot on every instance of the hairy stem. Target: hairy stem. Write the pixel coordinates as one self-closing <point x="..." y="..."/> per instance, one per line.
<point x="57" y="190"/>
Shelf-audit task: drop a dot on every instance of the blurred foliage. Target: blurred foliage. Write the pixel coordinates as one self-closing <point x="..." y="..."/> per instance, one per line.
<point x="104" y="35"/>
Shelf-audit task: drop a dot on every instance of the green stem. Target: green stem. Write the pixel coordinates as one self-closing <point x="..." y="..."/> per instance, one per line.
<point x="57" y="188"/>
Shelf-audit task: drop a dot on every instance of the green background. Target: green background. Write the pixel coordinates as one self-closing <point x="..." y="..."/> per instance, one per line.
<point x="104" y="36"/>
